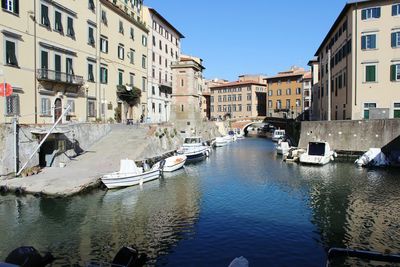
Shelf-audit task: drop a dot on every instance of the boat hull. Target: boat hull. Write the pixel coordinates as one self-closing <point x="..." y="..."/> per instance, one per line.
<point x="125" y="180"/>
<point x="174" y="163"/>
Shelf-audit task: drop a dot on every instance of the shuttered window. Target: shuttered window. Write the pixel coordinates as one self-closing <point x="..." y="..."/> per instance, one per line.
<point x="10" y="5"/>
<point x="370" y="73"/>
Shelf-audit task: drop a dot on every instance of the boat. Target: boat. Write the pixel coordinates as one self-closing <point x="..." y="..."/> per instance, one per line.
<point x="278" y="134"/>
<point x="318" y="153"/>
<point x="174" y="163"/>
<point x="293" y="155"/>
<point x="373" y="157"/>
<point x="194" y="148"/>
<point x="220" y="142"/>
<point x="282" y="148"/>
<point x="130" y="175"/>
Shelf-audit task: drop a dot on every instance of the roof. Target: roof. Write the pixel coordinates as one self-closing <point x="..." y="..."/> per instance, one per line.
<point x="307" y="75"/>
<point x="152" y="10"/>
<point x="286" y="75"/>
<point x="237" y="83"/>
<point x="338" y="20"/>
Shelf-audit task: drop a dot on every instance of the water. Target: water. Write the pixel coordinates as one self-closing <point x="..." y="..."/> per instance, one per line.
<point x="242" y="201"/>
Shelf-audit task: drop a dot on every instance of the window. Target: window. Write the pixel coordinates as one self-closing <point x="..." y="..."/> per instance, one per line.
<point x="132" y="35"/>
<point x="396" y="10"/>
<point x="371" y="13"/>
<point x="370" y="73"/>
<point x="395" y="73"/>
<point x="71" y="103"/>
<point x="367" y="107"/>
<point x="182" y="83"/>
<point x="144" y="60"/>
<point x="91" y="36"/>
<point x="248" y="107"/>
<point x="219" y="98"/>
<point x="103" y="44"/>
<point x="45" y="16"/>
<point x="144" y="80"/>
<point x="278" y="104"/>
<point x="70" y="27"/>
<point x="91" y="108"/>
<point x="239" y="107"/>
<point x="132" y="79"/>
<point x="159" y="108"/>
<point x="270" y="103"/>
<point x="69" y="69"/>
<point x="120" y="77"/>
<point x="153" y="90"/>
<point x="45" y="107"/>
<point x="395" y="39"/>
<point x="103" y="75"/>
<point x="269" y="92"/>
<point x="279" y="92"/>
<point x="44" y="60"/>
<point x="239" y="97"/>
<point x="104" y="17"/>
<point x="121" y="27"/>
<point x="298" y="91"/>
<point x="288" y="91"/>
<point x="12" y="105"/>
<point x="121" y="51"/>
<point x="90" y="72"/>
<point x="132" y="56"/>
<point x="249" y="96"/>
<point x="11" y="52"/>
<point x="297" y="102"/>
<point x="368" y="41"/>
<point x="91" y="5"/>
<point x="396" y="110"/>
<point x="144" y="40"/>
<point x="10" y="5"/>
<point x="58" y="21"/>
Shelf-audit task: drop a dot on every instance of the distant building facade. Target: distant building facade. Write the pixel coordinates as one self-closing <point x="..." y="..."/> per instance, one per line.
<point x="245" y="98"/>
<point x="164" y="49"/>
<point x="359" y="64"/>
<point x="71" y="53"/>
<point x="285" y="96"/>
<point x="306" y="98"/>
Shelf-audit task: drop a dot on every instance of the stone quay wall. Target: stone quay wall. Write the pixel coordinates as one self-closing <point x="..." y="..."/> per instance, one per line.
<point x="351" y="136"/>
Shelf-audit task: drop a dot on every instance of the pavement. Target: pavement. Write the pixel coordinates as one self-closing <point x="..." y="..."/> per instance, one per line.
<point x="84" y="171"/>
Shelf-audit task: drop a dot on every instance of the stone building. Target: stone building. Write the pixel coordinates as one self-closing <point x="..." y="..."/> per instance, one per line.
<point x="359" y="63"/>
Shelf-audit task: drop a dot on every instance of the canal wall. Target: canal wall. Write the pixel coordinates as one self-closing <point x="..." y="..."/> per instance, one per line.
<point x="68" y="141"/>
<point x="352" y="136"/>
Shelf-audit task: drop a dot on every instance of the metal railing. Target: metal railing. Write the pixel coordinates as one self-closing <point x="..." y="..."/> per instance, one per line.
<point x="61" y="77"/>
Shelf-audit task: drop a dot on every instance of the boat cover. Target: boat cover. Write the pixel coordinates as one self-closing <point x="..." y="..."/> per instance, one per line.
<point x="129" y="166"/>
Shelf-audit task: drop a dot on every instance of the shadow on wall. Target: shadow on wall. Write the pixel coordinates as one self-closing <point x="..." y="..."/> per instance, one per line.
<point x="392" y="151"/>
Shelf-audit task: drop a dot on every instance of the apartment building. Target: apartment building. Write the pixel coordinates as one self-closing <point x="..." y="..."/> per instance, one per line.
<point x="314" y="110"/>
<point x="69" y="53"/>
<point x="359" y="63"/>
<point x="245" y="98"/>
<point x="285" y="93"/>
<point x="187" y="96"/>
<point x="163" y="49"/>
<point x="306" y="90"/>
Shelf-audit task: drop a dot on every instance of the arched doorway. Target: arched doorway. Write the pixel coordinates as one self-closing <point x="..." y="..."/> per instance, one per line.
<point x="57" y="109"/>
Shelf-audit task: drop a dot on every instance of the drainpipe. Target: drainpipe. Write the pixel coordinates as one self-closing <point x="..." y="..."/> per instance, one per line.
<point x="35" y="59"/>
<point x="355" y="49"/>
<point x="329" y="95"/>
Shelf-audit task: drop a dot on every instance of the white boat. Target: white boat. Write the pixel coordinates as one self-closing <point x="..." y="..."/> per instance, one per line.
<point x="194" y="148"/>
<point x="318" y="153"/>
<point x="220" y="141"/>
<point x="373" y="157"/>
<point x="277" y="135"/>
<point x="282" y="148"/>
<point x="130" y="175"/>
<point x="240" y="135"/>
<point x="174" y="163"/>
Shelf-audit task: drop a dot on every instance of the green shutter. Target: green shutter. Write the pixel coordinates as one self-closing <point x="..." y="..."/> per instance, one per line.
<point x="370" y="73"/>
<point x="364" y="14"/>
<point x="366" y="114"/>
<point x="396" y="114"/>
<point x="393" y="73"/>
<point x="394" y="39"/>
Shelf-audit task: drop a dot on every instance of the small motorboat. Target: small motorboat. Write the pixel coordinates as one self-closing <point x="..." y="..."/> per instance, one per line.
<point x="318" y="153"/>
<point x="277" y="135"/>
<point x="130" y="175"/>
<point x="373" y="157"/>
<point x="220" y="142"/>
<point x="293" y="155"/>
<point x="194" y="148"/>
<point x="174" y="163"/>
<point x="282" y="148"/>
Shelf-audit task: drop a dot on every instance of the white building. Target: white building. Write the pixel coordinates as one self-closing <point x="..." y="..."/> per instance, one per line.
<point x="164" y="49"/>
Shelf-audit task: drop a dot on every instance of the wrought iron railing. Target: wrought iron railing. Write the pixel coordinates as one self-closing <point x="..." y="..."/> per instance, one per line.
<point x="61" y="77"/>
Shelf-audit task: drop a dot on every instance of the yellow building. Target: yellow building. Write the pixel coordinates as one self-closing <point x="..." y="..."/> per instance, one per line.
<point x="285" y="93"/>
<point x="54" y="57"/>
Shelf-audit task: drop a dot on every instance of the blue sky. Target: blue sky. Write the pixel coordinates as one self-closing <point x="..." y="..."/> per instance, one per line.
<point x="236" y="37"/>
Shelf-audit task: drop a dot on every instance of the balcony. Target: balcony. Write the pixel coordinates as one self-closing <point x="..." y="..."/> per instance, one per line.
<point x="165" y="87"/>
<point x="59" y="77"/>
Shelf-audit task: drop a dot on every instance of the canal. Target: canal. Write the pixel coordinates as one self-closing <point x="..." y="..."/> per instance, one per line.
<point x="242" y="201"/>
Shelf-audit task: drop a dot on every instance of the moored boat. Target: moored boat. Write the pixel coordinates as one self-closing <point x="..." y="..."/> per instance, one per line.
<point x="277" y="135"/>
<point x="318" y="153"/>
<point x="220" y="141"/>
<point x="174" y="163"/>
<point x="194" y="148"/>
<point x="130" y="175"/>
<point x="282" y="147"/>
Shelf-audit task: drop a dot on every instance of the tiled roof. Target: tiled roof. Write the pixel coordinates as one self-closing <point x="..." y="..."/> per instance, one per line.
<point x="237" y="83"/>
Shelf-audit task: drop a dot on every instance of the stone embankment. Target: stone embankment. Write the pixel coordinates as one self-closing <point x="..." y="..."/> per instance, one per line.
<point x="83" y="172"/>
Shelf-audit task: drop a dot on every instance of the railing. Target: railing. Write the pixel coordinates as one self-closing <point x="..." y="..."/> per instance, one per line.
<point x="165" y="83"/>
<point x="56" y="76"/>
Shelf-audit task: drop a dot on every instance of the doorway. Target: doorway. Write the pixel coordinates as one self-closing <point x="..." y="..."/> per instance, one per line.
<point x="57" y="109"/>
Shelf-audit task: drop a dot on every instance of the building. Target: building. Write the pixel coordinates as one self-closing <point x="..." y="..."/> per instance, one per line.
<point x="163" y="49"/>
<point x="245" y="98"/>
<point x="70" y="53"/>
<point x="314" y="110"/>
<point x="359" y="63"/>
<point x="285" y="93"/>
<point x="306" y="90"/>
<point x="187" y="96"/>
